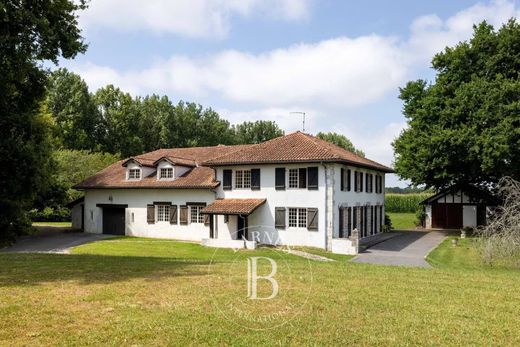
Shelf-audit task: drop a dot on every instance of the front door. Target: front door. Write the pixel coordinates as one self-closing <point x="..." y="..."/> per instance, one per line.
<point x="114" y="220"/>
<point x="240" y="227"/>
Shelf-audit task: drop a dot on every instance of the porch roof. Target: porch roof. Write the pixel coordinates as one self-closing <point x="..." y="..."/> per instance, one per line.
<point x="233" y="206"/>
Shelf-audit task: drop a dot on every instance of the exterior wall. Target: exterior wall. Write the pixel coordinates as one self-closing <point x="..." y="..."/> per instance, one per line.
<point x="352" y="198"/>
<point x="262" y="220"/>
<point x="428" y="219"/>
<point x="76" y="217"/>
<point x="137" y="199"/>
<point x="469" y="216"/>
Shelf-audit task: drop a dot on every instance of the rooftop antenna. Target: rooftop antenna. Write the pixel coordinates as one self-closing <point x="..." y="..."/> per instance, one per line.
<point x="303" y="114"/>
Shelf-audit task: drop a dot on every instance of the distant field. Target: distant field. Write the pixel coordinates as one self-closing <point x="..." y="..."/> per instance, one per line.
<point x="404" y="203"/>
<point x="402" y="220"/>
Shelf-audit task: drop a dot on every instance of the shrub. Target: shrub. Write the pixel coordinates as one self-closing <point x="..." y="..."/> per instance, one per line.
<point x="388" y="224"/>
<point x="500" y="239"/>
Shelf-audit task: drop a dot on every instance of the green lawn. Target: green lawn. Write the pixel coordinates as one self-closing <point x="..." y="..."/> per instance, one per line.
<point x="402" y="220"/>
<point x="52" y="224"/>
<point x="138" y="292"/>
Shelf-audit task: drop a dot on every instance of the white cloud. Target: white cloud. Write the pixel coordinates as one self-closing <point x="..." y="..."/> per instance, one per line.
<point x="430" y="34"/>
<point x="340" y="72"/>
<point x="193" y="18"/>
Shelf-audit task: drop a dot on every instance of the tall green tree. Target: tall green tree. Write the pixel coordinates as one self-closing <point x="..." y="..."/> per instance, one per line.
<point x="120" y="121"/>
<point x="465" y="127"/>
<point x="256" y="132"/>
<point x="74" y="112"/>
<point x="30" y="32"/>
<point x="341" y="141"/>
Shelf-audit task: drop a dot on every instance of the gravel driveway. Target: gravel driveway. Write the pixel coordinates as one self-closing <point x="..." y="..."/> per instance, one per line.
<point x="408" y="249"/>
<point x="57" y="242"/>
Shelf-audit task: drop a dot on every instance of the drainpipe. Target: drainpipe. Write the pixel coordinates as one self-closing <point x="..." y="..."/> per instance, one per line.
<point x="329" y="208"/>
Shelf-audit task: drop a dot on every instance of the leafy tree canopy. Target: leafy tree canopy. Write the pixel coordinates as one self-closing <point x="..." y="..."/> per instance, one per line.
<point x="465" y="127"/>
<point x="341" y="141"/>
<point x="256" y="132"/>
<point x="30" y="32"/>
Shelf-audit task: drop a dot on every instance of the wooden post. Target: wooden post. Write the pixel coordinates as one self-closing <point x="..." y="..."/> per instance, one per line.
<point x="211" y="227"/>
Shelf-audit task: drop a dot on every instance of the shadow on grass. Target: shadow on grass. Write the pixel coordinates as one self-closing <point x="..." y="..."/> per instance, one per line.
<point x="34" y="268"/>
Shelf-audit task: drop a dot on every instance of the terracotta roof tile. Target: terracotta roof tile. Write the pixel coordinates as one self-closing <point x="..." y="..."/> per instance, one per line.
<point x="114" y="176"/>
<point x="233" y="206"/>
<point x="295" y="147"/>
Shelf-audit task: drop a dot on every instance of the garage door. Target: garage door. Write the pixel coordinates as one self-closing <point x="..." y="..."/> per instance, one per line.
<point x="113" y="221"/>
<point x="447" y="216"/>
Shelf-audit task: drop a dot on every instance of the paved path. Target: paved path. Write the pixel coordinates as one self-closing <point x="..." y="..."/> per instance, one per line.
<point x="408" y="249"/>
<point x="59" y="242"/>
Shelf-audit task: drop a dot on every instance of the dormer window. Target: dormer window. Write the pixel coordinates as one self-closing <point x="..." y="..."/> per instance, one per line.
<point x="166" y="173"/>
<point x="134" y="174"/>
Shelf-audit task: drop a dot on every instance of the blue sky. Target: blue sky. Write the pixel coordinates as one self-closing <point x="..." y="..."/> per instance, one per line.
<point x="342" y="62"/>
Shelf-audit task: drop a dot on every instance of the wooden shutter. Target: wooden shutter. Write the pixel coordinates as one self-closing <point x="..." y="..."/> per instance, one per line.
<point x="361" y="182"/>
<point x="312" y="219"/>
<point x="279" y="217"/>
<point x="150" y="214"/>
<point x="173" y="214"/>
<point x="302" y="177"/>
<point x="349" y="221"/>
<point x="228" y="174"/>
<point x="341" y="221"/>
<point x="355" y="180"/>
<point x="348" y="180"/>
<point x="255" y="179"/>
<point x="183" y="215"/>
<point x="312" y="175"/>
<point x="206" y="219"/>
<point x="342" y="184"/>
<point x="280" y="178"/>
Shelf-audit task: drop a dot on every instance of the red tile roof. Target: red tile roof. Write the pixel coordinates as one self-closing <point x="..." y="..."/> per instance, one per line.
<point x="114" y="176"/>
<point x="295" y="147"/>
<point x="233" y="206"/>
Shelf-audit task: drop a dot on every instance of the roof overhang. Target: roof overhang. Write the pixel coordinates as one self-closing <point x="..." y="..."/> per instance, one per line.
<point x="242" y="207"/>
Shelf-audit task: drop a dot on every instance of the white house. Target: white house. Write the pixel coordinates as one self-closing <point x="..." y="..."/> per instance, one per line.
<point x="292" y="190"/>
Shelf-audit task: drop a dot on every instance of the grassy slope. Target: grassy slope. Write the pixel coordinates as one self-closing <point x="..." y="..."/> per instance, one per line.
<point x="402" y="220"/>
<point x="143" y="292"/>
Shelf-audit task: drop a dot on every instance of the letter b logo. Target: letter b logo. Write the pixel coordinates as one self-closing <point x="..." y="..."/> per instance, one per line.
<point x="252" y="278"/>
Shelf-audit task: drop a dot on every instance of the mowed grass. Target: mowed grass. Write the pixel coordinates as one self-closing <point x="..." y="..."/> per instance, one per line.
<point x="52" y="224"/>
<point x="139" y="292"/>
<point x="402" y="220"/>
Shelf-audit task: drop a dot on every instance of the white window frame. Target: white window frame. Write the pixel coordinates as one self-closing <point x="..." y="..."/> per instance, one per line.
<point x="242" y="179"/>
<point x="291" y="177"/>
<point x="162" y="213"/>
<point x="167" y="176"/>
<point x="195" y="212"/>
<point x="297" y="217"/>
<point x="132" y="172"/>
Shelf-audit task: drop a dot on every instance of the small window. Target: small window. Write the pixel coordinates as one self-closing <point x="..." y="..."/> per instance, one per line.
<point x="195" y="215"/>
<point x="243" y="179"/>
<point x="134" y="174"/>
<point x="293" y="178"/>
<point x="226" y="218"/>
<point x="166" y="172"/>
<point x="163" y="213"/>
<point x="297" y="217"/>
